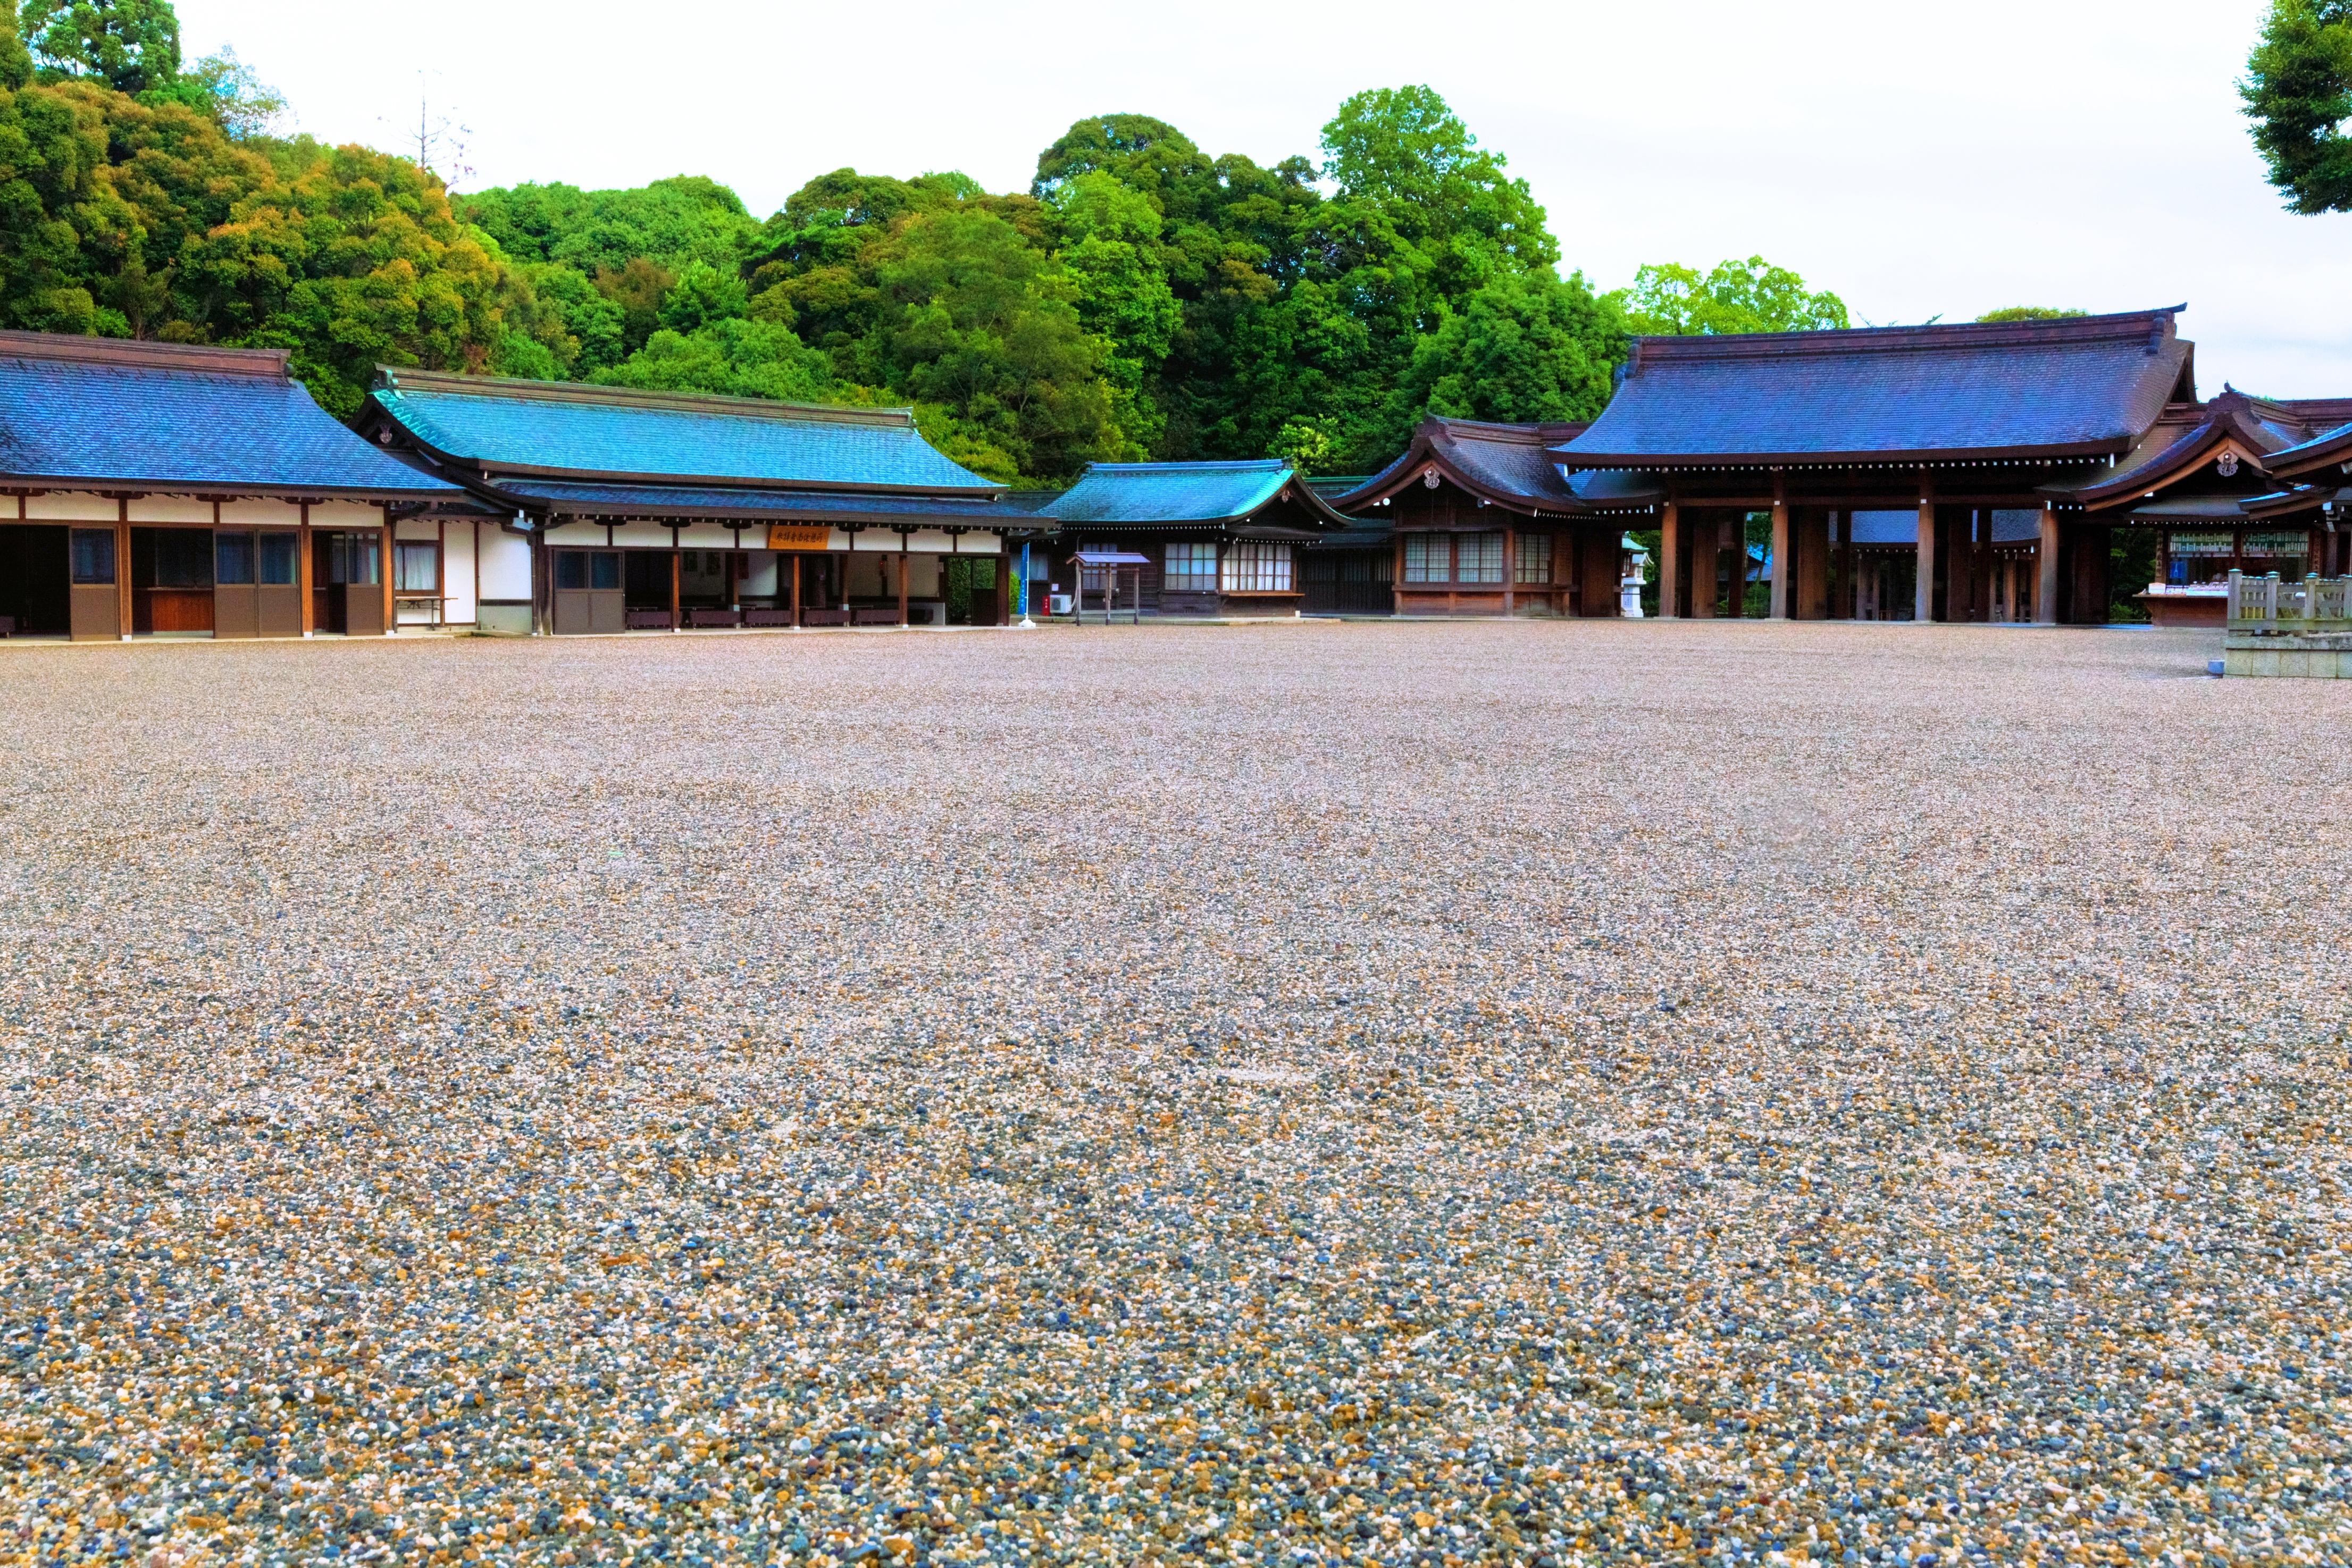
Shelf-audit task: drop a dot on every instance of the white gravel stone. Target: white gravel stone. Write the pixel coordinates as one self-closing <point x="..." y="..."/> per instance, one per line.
<point x="1520" y="1093"/>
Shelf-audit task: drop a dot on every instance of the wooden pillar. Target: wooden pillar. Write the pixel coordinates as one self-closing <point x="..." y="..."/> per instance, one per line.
<point x="676" y="565"/>
<point x="303" y="573"/>
<point x="1782" y="604"/>
<point x="796" y="590"/>
<point x="1924" y="594"/>
<point x="1735" y="539"/>
<point x="1705" y="549"/>
<point x="384" y="572"/>
<point x="2045" y="569"/>
<point x="1846" y="601"/>
<point x="902" y="587"/>
<point x="1670" y="561"/>
<point x="122" y="606"/>
<point x="1510" y="566"/>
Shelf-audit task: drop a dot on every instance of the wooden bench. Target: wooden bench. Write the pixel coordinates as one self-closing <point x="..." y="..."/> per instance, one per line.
<point x="646" y="621"/>
<point x="875" y="615"/>
<point x="767" y="618"/>
<point x="714" y="618"/>
<point x="824" y="617"/>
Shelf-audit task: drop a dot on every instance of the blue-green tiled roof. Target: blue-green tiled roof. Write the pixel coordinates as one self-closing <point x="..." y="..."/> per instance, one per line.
<point x="1170" y="492"/>
<point x="573" y="499"/>
<point x="89" y="410"/>
<point x="556" y="428"/>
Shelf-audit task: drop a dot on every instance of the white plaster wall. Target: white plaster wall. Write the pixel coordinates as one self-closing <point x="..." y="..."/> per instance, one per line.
<point x="980" y="542"/>
<point x="710" y="536"/>
<point x="419" y="528"/>
<point x="334" y="514"/>
<point x="759" y="573"/>
<point x="72" y="506"/>
<point x="938" y="540"/>
<point x="506" y="564"/>
<point x="640" y="536"/>
<point x="259" y="513"/>
<point x="457" y="571"/>
<point x="176" y="509"/>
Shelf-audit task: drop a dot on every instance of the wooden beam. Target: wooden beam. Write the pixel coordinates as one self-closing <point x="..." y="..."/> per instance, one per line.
<point x="303" y="575"/>
<point x="795" y="560"/>
<point x="2045" y="569"/>
<point x="121" y="568"/>
<point x="676" y="565"/>
<point x="1510" y="565"/>
<point x="384" y="570"/>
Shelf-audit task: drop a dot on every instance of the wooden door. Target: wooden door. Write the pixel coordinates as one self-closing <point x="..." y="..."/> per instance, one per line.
<point x="237" y="601"/>
<point x="362" y="609"/>
<point x="589" y="596"/>
<point x="95" y="610"/>
<point x="278" y="588"/>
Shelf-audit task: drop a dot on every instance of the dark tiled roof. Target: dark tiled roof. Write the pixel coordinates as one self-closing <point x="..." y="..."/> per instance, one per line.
<point x="1150" y="494"/>
<point x="1507" y="465"/>
<point x="567" y="498"/>
<point x="2293" y="498"/>
<point x="560" y="429"/>
<point x="2321" y="452"/>
<point x="2178" y="447"/>
<point x="2087" y="386"/>
<point x="94" y="411"/>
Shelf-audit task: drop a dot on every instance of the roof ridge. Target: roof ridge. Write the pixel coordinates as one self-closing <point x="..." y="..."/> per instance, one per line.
<point x="146" y="354"/>
<point x="1541" y="432"/>
<point x="2147" y="327"/>
<point x="392" y="380"/>
<point x="1189" y="463"/>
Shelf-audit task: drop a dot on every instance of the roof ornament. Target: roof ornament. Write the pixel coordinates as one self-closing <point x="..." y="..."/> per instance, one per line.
<point x="1429" y="477"/>
<point x="2227" y="465"/>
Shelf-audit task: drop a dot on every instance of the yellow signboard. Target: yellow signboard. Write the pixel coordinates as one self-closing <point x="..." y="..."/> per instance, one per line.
<point x="786" y="536"/>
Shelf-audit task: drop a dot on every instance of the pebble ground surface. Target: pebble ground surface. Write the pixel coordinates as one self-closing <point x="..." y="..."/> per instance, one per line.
<point x="1528" y="1093"/>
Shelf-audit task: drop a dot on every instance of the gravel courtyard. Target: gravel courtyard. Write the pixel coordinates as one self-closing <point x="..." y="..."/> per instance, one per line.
<point x="1485" y="1094"/>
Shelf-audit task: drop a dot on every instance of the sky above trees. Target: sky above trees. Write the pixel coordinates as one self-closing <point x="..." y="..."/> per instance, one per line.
<point x="1921" y="162"/>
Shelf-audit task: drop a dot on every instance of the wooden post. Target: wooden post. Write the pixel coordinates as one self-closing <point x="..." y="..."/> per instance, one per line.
<point x="2045" y="569"/>
<point x="1510" y="566"/>
<point x="1780" y="605"/>
<point x="1670" y="561"/>
<point x="796" y="590"/>
<point x="384" y="570"/>
<point x="1923" y="596"/>
<point x="1396" y="574"/>
<point x="122" y="606"/>
<point x="1735" y="539"/>
<point x="478" y="578"/>
<point x="1706" y="559"/>
<point x="676" y="565"/>
<point x="302" y="571"/>
<point x="902" y="584"/>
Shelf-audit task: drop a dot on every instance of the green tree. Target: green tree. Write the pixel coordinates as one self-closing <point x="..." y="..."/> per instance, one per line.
<point x="2030" y="313"/>
<point x="1527" y="347"/>
<point x="733" y="355"/>
<point x="16" y="60"/>
<point x="1751" y="295"/>
<point x="130" y="44"/>
<point x="671" y="223"/>
<point x="2297" y="90"/>
<point x="1406" y="151"/>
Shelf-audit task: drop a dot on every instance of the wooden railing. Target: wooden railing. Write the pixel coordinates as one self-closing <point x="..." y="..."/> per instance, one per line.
<point x="2266" y="604"/>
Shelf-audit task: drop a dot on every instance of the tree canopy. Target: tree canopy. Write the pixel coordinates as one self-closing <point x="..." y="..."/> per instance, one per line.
<point x="1751" y="295"/>
<point x="2030" y="313"/>
<point x="1143" y="298"/>
<point x="2297" y="90"/>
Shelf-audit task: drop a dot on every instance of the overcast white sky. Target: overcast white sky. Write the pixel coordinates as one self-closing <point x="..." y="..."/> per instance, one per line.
<point x="1920" y="161"/>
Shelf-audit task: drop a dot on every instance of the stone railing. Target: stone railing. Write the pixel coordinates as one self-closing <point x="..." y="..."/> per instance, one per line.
<point x="2266" y="604"/>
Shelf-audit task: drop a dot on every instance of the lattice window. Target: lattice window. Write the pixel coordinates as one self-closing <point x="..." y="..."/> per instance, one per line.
<point x="1531" y="562"/>
<point x="1428" y="557"/>
<point x="1258" y="566"/>
<point x="1192" y="566"/>
<point x="1478" y="558"/>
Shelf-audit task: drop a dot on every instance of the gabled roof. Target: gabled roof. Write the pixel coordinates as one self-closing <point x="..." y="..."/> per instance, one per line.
<point x="1155" y="494"/>
<point x="2084" y="387"/>
<point x="1504" y="465"/>
<point x="96" y="412"/>
<point x="2293" y="499"/>
<point x="561" y="430"/>
<point x="2233" y="428"/>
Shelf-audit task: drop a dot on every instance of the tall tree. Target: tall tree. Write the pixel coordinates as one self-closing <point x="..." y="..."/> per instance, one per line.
<point x="2298" y="92"/>
<point x="16" y="60"/>
<point x="130" y="44"/>
<point x="1751" y="295"/>
<point x="1528" y="347"/>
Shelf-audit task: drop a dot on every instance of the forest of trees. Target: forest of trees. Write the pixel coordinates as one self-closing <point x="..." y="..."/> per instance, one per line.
<point x="1141" y="298"/>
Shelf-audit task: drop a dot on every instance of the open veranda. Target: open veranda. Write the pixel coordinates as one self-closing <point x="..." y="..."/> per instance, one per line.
<point x="1512" y="1092"/>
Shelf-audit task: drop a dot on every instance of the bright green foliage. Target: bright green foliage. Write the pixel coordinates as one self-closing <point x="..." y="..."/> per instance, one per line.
<point x="1527" y="347"/>
<point x="16" y="60"/>
<point x="119" y="219"/>
<point x="670" y="222"/>
<point x="2030" y="313"/>
<point x="129" y="44"/>
<point x="1750" y="296"/>
<point x="734" y="355"/>
<point x="2298" y="92"/>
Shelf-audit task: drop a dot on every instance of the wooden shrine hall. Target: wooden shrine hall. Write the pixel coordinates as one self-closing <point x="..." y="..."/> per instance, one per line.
<point x="1939" y="473"/>
<point x="665" y="511"/>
